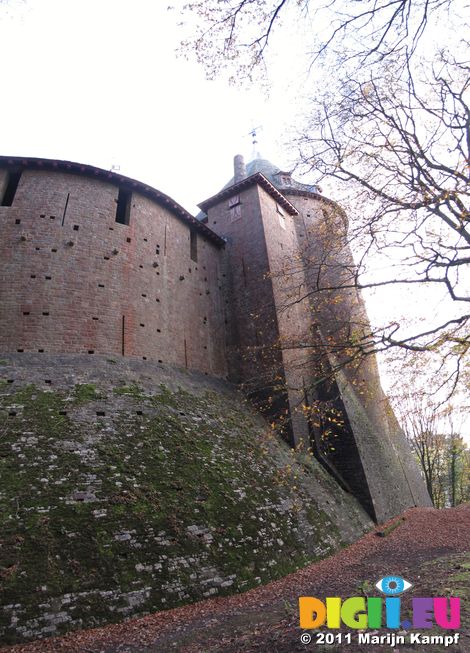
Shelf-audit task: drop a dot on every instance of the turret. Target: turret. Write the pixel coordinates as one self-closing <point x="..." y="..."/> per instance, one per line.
<point x="292" y="313"/>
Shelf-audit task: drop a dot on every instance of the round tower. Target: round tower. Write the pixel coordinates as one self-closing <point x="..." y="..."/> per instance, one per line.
<point x="96" y="263"/>
<point x="297" y="319"/>
<point x="353" y="430"/>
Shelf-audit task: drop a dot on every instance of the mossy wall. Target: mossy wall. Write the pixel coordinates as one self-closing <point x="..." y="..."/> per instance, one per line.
<point x="128" y="487"/>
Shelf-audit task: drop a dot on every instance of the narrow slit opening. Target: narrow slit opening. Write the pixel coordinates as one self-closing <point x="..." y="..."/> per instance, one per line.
<point x="11" y="188"/>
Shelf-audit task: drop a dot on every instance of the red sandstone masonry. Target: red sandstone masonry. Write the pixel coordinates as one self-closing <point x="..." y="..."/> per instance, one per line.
<point x="253" y="317"/>
<point x="64" y="289"/>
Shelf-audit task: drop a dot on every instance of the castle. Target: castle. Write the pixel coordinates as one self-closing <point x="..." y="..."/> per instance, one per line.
<point x="254" y="290"/>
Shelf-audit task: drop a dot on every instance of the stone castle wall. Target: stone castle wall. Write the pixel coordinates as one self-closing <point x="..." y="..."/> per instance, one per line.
<point x="148" y="486"/>
<point x="253" y="319"/>
<point x="75" y="280"/>
<point x="93" y="263"/>
<point x="361" y="438"/>
<point x="130" y="487"/>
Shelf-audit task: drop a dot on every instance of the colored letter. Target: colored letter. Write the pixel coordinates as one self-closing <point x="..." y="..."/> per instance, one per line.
<point x="333" y="607"/>
<point x="422" y="613"/>
<point x="353" y="612"/>
<point x="440" y="612"/>
<point x="312" y="612"/>
<point x="374" y="612"/>
<point x="392" y="611"/>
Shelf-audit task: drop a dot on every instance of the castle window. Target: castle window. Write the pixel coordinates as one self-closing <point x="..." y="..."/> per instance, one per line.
<point x="193" y="245"/>
<point x="10" y="190"/>
<point x="233" y="201"/>
<point x="123" y="208"/>
<point x="280" y="212"/>
<point x="235" y="213"/>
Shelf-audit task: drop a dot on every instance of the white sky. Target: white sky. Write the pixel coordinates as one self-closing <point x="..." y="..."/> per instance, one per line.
<point x="98" y="82"/>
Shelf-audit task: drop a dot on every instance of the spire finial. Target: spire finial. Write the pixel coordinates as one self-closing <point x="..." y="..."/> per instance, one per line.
<point x="255" y="154"/>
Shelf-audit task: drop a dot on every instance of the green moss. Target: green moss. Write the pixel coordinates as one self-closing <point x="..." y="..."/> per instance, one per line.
<point x="132" y="390"/>
<point x="193" y="479"/>
<point x="85" y="392"/>
<point x="464" y="576"/>
<point x="443" y="576"/>
<point x="390" y="528"/>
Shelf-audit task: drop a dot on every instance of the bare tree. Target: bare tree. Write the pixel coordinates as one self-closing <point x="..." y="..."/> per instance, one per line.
<point x="438" y="444"/>
<point x="457" y="465"/>
<point x="420" y="421"/>
<point x="402" y="148"/>
<point x="237" y="34"/>
<point x="464" y="482"/>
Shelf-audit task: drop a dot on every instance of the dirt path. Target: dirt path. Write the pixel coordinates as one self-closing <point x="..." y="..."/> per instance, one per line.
<point x="429" y="548"/>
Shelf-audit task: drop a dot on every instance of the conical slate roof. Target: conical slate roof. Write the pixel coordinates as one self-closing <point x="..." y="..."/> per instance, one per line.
<point x="280" y="179"/>
<point x="268" y="169"/>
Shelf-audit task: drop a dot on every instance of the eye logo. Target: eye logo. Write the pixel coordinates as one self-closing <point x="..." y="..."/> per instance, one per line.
<point x="392" y="585"/>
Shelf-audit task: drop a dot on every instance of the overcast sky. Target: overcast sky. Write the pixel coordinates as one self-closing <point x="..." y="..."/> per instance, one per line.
<point x="98" y="82"/>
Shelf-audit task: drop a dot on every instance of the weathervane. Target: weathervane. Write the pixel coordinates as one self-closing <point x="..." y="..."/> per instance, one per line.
<point x="254" y="140"/>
